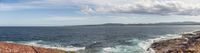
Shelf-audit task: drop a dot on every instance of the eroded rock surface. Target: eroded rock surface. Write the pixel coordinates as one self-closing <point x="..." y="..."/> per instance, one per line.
<point x="17" y="48"/>
<point x="188" y="43"/>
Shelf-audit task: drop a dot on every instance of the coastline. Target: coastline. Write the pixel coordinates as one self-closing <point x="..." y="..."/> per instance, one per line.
<point x="19" y="48"/>
<point x="142" y="44"/>
<point x="187" y="43"/>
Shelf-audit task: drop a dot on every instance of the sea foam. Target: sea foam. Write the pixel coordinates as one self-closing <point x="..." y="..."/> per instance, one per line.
<point x="139" y="46"/>
<point x="147" y="43"/>
<point x="53" y="46"/>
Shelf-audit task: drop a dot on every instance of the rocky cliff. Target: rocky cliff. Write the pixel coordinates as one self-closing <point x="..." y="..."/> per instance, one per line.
<point x="17" y="48"/>
<point x="188" y="43"/>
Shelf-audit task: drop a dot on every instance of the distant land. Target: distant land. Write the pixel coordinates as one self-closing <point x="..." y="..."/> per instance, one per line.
<point x="161" y="23"/>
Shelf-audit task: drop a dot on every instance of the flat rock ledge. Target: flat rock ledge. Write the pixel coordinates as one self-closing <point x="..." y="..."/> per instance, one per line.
<point x="17" y="48"/>
<point x="188" y="43"/>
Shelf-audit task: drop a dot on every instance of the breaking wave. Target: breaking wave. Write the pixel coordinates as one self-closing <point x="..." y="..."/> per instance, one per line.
<point x="53" y="46"/>
<point x="147" y="43"/>
<point x="137" y="46"/>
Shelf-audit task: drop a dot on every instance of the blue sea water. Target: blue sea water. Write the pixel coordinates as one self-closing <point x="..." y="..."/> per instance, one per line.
<point x="94" y="39"/>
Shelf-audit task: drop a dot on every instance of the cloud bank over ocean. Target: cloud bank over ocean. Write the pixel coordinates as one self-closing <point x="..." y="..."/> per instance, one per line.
<point x="158" y="7"/>
<point x="81" y="12"/>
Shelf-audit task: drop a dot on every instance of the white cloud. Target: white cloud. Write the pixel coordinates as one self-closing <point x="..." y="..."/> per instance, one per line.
<point x="87" y="10"/>
<point x="158" y="7"/>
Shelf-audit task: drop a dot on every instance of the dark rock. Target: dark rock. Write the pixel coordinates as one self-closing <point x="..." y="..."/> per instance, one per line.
<point x="188" y="35"/>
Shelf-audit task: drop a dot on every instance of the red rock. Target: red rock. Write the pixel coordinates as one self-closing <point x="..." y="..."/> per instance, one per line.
<point x="188" y="43"/>
<point x="17" y="48"/>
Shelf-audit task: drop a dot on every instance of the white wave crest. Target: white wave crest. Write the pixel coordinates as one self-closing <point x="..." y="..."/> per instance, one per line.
<point x="147" y="43"/>
<point x="57" y="46"/>
<point x="124" y="48"/>
<point x="139" y="46"/>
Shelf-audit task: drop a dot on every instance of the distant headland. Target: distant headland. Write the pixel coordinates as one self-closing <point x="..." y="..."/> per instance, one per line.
<point x="138" y="24"/>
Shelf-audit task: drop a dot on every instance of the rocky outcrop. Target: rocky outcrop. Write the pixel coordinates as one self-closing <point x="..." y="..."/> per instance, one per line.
<point x="188" y="43"/>
<point x="17" y="48"/>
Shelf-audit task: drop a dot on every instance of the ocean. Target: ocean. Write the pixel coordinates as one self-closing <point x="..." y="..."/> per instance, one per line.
<point x="95" y="39"/>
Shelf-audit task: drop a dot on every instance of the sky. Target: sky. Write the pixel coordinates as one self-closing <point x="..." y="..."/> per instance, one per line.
<point x="84" y="12"/>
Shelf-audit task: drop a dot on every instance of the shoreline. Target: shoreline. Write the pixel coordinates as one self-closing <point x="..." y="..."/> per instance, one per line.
<point x="188" y="42"/>
<point x="155" y="45"/>
<point x="19" y="48"/>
